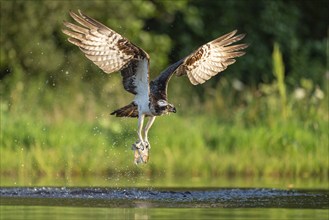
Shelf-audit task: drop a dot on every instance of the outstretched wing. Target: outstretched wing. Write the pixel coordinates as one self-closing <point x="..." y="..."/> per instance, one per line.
<point x="110" y="51"/>
<point x="204" y="63"/>
<point x="212" y="58"/>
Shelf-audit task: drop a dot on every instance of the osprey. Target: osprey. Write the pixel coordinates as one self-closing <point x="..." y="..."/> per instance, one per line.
<point x="112" y="52"/>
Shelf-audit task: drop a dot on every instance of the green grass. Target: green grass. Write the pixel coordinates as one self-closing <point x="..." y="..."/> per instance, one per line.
<point x="66" y="131"/>
<point x="251" y="140"/>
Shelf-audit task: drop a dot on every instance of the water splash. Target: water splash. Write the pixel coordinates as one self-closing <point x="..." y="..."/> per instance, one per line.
<point x="128" y="197"/>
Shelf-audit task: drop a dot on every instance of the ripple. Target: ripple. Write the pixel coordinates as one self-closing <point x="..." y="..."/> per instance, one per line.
<point x="132" y="197"/>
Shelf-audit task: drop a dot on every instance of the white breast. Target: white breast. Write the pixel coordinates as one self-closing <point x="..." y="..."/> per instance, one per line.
<point x="142" y="87"/>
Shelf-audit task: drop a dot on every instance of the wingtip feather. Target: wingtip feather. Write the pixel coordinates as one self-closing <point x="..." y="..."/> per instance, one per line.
<point x="72" y="13"/>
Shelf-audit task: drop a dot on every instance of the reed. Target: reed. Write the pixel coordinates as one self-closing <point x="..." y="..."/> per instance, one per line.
<point x="66" y="131"/>
<point x="242" y="140"/>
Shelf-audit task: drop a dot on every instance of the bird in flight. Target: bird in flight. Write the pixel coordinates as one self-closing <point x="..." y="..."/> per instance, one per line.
<point x="112" y="52"/>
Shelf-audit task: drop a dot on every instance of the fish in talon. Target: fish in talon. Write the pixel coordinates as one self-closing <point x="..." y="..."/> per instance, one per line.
<point x="141" y="155"/>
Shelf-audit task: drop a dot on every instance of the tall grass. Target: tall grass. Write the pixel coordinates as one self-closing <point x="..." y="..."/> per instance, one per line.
<point x="181" y="146"/>
<point x="278" y="70"/>
<point x="250" y="140"/>
<point x="68" y="132"/>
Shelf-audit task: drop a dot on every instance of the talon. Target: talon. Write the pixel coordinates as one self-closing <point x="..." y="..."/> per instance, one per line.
<point x="147" y="145"/>
<point x="141" y="152"/>
<point x="138" y="145"/>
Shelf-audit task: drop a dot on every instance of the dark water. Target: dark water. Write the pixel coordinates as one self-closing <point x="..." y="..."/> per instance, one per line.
<point x="162" y="203"/>
<point x="165" y="198"/>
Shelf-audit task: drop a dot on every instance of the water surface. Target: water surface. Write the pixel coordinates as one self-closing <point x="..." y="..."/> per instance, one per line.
<point x="161" y="203"/>
<point x="127" y="180"/>
<point x="69" y="213"/>
<point x="165" y="198"/>
<point x="129" y="197"/>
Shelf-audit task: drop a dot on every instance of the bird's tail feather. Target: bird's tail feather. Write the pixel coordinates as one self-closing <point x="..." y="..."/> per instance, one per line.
<point x="127" y="111"/>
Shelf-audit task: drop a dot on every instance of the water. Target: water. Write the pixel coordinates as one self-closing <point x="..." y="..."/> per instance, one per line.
<point x="49" y="213"/>
<point x="161" y="203"/>
<point x="176" y="182"/>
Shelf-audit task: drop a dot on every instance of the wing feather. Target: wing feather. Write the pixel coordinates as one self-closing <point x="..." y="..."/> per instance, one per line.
<point x="110" y="51"/>
<point x="212" y="58"/>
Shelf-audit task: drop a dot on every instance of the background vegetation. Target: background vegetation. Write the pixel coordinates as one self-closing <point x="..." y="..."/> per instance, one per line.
<point x="266" y="115"/>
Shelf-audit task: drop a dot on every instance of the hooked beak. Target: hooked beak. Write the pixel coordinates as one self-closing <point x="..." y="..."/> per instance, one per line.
<point x="173" y="110"/>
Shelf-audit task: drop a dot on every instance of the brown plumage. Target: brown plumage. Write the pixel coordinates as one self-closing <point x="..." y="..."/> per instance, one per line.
<point x="212" y="58"/>
<point x="127" y="111"/>
<point x="112" y="52"/>
<point x="106" y="48"/>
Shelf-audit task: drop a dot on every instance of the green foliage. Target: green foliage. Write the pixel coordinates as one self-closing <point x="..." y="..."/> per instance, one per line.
<point x="79" y="138"/>
<point x="55" y="104"/>
<point x="278" y="70"/>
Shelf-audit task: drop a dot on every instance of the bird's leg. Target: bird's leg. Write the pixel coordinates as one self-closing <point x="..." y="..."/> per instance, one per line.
<point x="141" y="151"/>
<point x="140" y="142"/>
<point x="146" y="130"/>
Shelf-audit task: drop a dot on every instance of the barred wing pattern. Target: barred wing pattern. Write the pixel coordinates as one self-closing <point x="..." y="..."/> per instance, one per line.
<point x="212" y="58"/>
<point x="109" y="50"/>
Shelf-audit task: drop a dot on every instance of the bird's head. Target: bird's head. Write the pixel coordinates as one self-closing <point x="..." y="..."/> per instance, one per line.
<point x="163" y="107"/>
